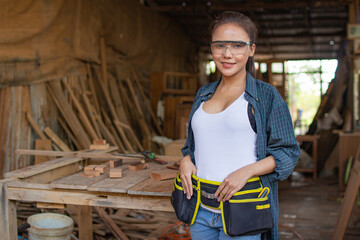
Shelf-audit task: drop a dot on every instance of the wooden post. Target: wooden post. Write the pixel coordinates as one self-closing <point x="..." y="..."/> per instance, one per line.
<point x="85" y="222"/>
<point x="8" y="224"/>
<point x="103" y="61"/>
<point x="349" y="200"/>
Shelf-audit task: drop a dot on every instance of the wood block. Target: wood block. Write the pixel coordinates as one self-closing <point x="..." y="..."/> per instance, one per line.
<point x="93" y="172"/>
<point x="87" y="175"/>
<point x="50" y="205"/>
<point x="115" y="163"/>
<point x="99" y="146"/>
<point x="42" y="144"/>
<point x="99" y="141"/>
<point x="90" y="168"/>
<point x="137" y="167"/>
<point x="103" y="168"/>
<point x="163" y="174"/>
<point x="115" y="173"/>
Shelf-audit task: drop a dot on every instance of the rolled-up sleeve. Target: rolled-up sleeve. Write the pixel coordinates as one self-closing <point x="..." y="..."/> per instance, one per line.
<point x="281" y="142"/>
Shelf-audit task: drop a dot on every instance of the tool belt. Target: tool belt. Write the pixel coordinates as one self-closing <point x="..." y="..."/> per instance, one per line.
<point x="246" y="213"/>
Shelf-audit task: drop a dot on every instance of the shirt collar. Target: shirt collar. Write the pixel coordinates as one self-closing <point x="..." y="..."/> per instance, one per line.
<point x="250" y="86"/>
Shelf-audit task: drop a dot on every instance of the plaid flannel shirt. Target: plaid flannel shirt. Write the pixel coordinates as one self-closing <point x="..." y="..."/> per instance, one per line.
<point x="275" y="136"/>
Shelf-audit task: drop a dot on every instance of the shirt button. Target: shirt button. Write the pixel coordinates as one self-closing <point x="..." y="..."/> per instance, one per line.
<point x="195" y="106"/>
<point x="200" y="95"/>
<point x="257" y="99"/>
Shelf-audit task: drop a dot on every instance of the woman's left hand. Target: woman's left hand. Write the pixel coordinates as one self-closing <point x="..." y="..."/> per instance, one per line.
<point x="232" y="183"/>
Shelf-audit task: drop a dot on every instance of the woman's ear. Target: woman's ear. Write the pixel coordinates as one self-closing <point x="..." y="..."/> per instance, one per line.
<point x="252" y="50"/>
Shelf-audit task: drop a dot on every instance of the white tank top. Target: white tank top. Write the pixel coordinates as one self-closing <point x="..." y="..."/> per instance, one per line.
<point x="224" y="142"/>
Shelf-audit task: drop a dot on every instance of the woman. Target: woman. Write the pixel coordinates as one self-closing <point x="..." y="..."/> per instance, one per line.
<point x="239" y="128"/>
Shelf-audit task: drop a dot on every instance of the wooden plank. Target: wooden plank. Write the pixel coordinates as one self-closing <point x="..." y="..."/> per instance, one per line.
<point x="87" y="198"/>
<point x="69" y="133"/>
<point x="35" y="126"/>
<point x="351" y="192"/>
<point x="99" y="146"/>
<point x="82" y="115"/>
<point x="112" y="130"/>
<point x="151" y="187"/>
<point x="107" y="134"/>
<point x="115" y="117"/>
<point x="42" y="167"/>
<point x="8" y="223"/>
<point x="56" y="140"/>
<point x="92" y="88"/>
<point x="28" y="185"/>
<point x="163" y="174"/>
<point x="85" y="222"/>
<point x="99" y="141"/>
<point x="117" y="232"/>
<point x="91" y="113"/>
<point x="103" y="62"/>
<point x="51" y="175"/>
<point x="132" y="134"/>
<point x="50" y="205"/>
<point x="42" y="144"/>
<point x="128" y="180"/>
<point x="147" y="102"/>
<point x="141" y="120"/>
<point x="68" y="113"/>
<point x="138" y="167"/>
<point x="49" y="165"/>
<point x="77" y="181"/>
<point x="118" y="105"/>
<point x="95" y="154"/>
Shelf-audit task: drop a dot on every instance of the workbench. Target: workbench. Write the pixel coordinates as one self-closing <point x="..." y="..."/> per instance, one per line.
<point x="61" y="181"/>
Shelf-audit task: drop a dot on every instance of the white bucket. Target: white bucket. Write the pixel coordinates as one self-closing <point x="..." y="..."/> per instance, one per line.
<point x="46" y="226"/>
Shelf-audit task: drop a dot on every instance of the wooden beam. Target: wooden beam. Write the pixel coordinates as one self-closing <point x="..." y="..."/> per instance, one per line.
<point x="91" y="113"/>
<point x="82" y="115"/>
<point x="117" y="232"/>
<point x="85" y="222"/>
<point x="42" y="144"/>
<point x="250" y="6"/>
<point x="56" y="140"/>
<point x="69" y="133"/>
<point x="35" y="126"/>
<point x="96" y="155"/>
<point x="8" y="223"/>
<point x="103" y="62"/>
<point x="68" y="113"/>
<point x="147" y="102"/>
<point x="350" y="196"/>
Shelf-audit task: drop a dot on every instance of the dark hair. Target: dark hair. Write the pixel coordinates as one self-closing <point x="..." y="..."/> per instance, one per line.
<point x="243" y="21"/>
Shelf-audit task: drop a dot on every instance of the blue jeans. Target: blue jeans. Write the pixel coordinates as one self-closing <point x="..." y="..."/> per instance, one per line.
<point x="208" y="225"/>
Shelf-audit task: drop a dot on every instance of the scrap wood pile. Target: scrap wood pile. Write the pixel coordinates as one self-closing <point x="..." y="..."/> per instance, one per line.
<point x="102" y="105"/>
<point x="115" y="223"/>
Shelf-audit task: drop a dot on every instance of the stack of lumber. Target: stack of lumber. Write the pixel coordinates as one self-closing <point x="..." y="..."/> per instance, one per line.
<point x="102" y="105"/>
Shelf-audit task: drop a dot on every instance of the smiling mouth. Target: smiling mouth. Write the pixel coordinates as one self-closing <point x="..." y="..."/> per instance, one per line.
<point x="227" y="64"/>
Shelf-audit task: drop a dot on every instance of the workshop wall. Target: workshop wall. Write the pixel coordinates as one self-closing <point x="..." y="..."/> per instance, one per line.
<point x="43" y="41"/>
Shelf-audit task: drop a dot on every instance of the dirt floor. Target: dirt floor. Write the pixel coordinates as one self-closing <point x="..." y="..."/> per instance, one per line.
<point x="310" y="208"/>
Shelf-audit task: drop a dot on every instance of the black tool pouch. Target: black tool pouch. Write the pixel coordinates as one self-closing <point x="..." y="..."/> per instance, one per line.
<point x="246" y="215"/>
<point x="185" y="209"/>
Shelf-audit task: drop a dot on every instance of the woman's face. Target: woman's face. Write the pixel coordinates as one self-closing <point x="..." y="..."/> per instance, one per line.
<point x="231" y="62"/>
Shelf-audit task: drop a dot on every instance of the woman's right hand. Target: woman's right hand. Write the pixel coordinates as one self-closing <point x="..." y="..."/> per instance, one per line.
<point x="186" y="169"/>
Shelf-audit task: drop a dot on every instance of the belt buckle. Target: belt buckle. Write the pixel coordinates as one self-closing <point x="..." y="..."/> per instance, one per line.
<point x="208" y="195"/>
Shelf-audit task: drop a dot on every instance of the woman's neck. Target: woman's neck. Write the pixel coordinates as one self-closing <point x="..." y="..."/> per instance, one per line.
<point x="238" y="80"/>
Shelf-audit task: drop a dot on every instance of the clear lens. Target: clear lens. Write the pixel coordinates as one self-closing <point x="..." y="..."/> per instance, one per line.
<point x="235" y="47"/>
